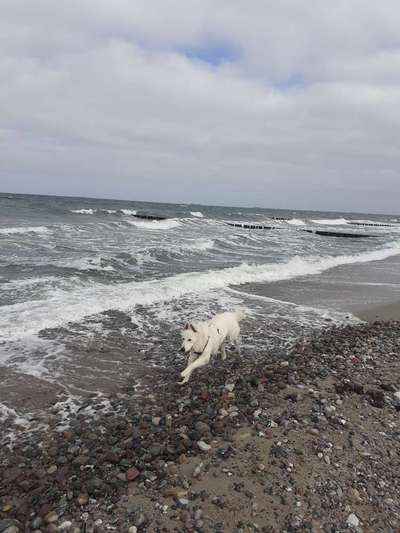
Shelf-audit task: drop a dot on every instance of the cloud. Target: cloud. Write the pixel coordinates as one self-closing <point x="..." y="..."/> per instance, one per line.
<point x="289" y="105"/>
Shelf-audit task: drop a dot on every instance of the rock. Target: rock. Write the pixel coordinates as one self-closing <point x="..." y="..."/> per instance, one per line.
<point x="82" y="499"/>
<point x="95" y="487"/>
<point x="352" y="520"/>
<point x="51" y="517"/>
<point x="37" y="522"/>
<point x="203" y="446"/>
<point x="132" y="529"/>
<point x="65" y="526"/>
<point x="183" y="501"/>
<point x="52" y="469"/>
<point x="229" y="387"/>
<point x="6" y="508"/>
<point x="396" y="397"/>
<point x="168" y="421"/>
<point x="132" y="473"/>
<point x="10" y="526"/>
<point x="156" y="420"/>
<point x="202" y="428"/>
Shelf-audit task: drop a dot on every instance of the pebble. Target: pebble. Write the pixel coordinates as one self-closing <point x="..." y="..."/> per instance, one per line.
<point x="51" y="517"/>
<point x="156" y="420"/>
<point x="52" y="469"/>
<point x="132" y="529"/>
<point x="65" y="526"/>
<point x="396" y="396"/>
<point x="132" y="473"/>
<point x="352" y="520"/>
<point x="82" y="499"/>
<point x="203" y="446"/>
<point x="229" y="387"/>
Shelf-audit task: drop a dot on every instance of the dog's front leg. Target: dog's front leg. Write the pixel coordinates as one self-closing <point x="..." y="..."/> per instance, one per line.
<point x="201" y="361"/>
<point x="192" y="358"/>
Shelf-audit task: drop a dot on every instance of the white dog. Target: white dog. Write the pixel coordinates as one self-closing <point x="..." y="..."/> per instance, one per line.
<point x="202" y="339"/>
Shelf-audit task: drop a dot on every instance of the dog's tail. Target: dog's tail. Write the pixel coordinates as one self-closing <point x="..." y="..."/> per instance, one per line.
<point x="239" y="315"/>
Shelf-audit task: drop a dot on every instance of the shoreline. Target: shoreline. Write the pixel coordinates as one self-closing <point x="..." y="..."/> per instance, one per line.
<point x="384" y="312"/>
<point x="306" y="439"/>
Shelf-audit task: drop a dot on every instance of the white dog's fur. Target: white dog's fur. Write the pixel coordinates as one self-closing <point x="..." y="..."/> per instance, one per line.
<point x="202" y="339"/>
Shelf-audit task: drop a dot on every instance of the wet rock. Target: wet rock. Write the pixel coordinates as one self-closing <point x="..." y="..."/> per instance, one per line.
<point x="51" y="517"/>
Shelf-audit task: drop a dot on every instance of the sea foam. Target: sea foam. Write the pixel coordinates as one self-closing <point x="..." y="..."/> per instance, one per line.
<point x="61" y="307"/>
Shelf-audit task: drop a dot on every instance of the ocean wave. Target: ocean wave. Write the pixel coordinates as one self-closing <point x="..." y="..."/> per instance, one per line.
<point x="128" y="211"/>
<point x="39" y="230"/>
<point x="197" y="214"/>
<point x="330" y="221"/>
<point x="61" y="307"/>
<point x="296" y="222"/>
<point x="155" y="224"/>
<point x="84" y="211"/>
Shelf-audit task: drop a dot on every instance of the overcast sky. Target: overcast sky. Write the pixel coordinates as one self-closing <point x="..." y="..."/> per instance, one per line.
<point x="266" y="103"/>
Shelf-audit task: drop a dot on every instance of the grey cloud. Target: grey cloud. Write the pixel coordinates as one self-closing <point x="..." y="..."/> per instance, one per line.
<point x="96" y="99"/>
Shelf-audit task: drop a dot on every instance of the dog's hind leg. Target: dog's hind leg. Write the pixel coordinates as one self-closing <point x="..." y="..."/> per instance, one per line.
<point x="201" y="361"/>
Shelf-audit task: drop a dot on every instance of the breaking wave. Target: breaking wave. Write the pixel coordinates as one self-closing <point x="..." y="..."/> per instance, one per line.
<point x="60" y="306"/>
<point x="40" y="230"/>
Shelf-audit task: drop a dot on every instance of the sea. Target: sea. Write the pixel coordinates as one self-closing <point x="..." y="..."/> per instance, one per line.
<point x="91" y="292"/>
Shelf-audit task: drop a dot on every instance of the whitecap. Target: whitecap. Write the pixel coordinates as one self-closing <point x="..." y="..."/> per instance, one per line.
<point x="131" y="212"/>
<point x="84" y="211"/>
<point x="155" y="224"/>
<point x="61" y="306"/>
<point x="197" y="214"/>
<point x="330" y="221"/>
<point x="296" y="222"/>
<point x="39" y="230"/>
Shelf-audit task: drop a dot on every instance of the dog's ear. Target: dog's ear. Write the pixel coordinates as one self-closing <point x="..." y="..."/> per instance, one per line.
<point x="187" y="325"/>
<point x="192" y="327"/>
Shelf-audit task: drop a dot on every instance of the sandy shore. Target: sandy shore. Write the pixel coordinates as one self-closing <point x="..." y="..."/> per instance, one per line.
<point x="380" y="312"/>
<point x="298" y="440"/>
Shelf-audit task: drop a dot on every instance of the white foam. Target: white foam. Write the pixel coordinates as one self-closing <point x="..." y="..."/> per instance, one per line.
<point x="199" y="244"/>
<point x="39" y="230"/>
<point x="128" y="211"/>
<point x="155" y="224"/>
<point x="330" y="221"/>
<point x="86" y="263"/>
<point x="197" y="214"/>
<point x="61" y="307"/>
<point x="296" y="222"/>
<point x="83" y="211"/>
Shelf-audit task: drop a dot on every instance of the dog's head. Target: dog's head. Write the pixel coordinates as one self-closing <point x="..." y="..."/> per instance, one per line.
<point x="192" y="337"/>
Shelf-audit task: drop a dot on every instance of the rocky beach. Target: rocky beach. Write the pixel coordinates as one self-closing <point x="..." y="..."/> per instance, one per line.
<point x="304" y="439"/>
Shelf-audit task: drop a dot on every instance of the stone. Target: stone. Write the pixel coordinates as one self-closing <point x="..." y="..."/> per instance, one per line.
<point x="132" y="529"/>
<point x="37" y="522"/>
<point x="82" y="499"/>
<point x="396" y="397"/>
<point x="132" y="473"/>
<point x="202" y="428"/>
<point x="203" y="446"/>
<point x="229" y="387"/>
<point x="352" y="520"/>
<point x="10" y="526"/>
<point x="52" y="469"/>
<point x="156" y="420"/>
<point x="51" y="517"/>
<point x="65" y="526"/>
